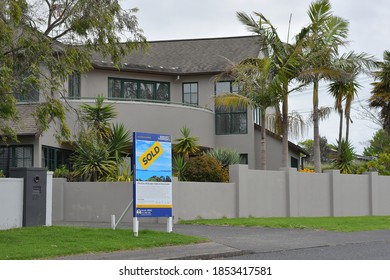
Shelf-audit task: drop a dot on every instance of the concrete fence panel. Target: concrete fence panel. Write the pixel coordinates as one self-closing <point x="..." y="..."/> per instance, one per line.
<point x="11" y="203"/>
<point x="257" y="193"/>
<point x="193" y="200"/>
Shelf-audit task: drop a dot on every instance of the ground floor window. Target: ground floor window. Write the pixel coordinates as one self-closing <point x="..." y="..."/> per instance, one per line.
<point x="294" y="163"/>
<point x="16" y="156"/>
<point x="243" y="158"/>
<point x="53" y="158"/>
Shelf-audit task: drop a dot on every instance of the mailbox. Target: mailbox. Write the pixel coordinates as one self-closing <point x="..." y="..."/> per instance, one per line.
<point x="34" y="195"/>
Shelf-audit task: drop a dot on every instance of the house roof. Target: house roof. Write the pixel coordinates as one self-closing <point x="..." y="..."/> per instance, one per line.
<point x="291" y="145"/>
<point x="184" y="57"/>
<point x="26" y="123"/>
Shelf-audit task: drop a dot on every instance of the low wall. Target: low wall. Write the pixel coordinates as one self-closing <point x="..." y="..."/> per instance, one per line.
<point x="257" y="193"/>
<point x="11" y="203"/>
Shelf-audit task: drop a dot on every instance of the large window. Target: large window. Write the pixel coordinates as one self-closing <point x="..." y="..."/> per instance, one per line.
<point x="15" y="156"/>
<point x="190" y="93"/>
<point x="53" y="158"/>
<point x="229" y="120"/>
<point x="74" y="85"/>
<point x="138" y="89"/>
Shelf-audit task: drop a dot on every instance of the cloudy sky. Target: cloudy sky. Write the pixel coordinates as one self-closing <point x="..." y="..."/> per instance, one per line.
<point x="369" y="32"/>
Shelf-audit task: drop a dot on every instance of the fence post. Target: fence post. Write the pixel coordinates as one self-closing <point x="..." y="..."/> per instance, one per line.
<point x="373" y="192"/>
<point x="238" y="175"/>
<point x="292" y="192"/>
<point x="336" y="207"/>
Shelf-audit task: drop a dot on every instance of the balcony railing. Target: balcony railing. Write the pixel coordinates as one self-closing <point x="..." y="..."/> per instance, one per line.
<point x="143" y="101"/>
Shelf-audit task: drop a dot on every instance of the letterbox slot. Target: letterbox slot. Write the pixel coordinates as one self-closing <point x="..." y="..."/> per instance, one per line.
<point x="36" y="190"/>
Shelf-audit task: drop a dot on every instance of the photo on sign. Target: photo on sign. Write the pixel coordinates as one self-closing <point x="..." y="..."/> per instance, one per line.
<point x="153" y="160"/>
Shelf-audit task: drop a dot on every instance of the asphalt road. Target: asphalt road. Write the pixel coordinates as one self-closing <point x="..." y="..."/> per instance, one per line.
<point x="295" y="244"/>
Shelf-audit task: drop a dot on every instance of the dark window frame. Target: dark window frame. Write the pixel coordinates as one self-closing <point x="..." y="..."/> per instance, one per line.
<point x="11" y="160"/>
<point x="50" y="158"/>
<point x="230" y="114"/>
<point x="138" y="89"/>
<point x="190" y="93"/>
<point x="74" y="85"/>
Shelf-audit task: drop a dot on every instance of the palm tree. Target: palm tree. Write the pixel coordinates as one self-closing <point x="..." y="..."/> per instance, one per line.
<point x="345" y="87"/>
<point x="287" y="61"/>
<point x="99" y="116"/>
<point x="101" y="146"/>
<point x="380" y="97"/>
<point x="258" y="87"/>
<point x="187" y="144"/>
<point x="327" y="33"/>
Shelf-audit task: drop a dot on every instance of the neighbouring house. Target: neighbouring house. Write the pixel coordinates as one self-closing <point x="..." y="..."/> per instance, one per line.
<point x="161" y="90"/>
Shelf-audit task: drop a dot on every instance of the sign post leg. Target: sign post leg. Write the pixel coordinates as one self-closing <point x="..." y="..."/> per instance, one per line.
<point x="135" y="226"/>
<point x="169" y="224"/>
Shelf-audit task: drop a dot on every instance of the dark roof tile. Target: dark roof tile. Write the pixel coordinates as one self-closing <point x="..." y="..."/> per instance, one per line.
<point x="192" y="56"/>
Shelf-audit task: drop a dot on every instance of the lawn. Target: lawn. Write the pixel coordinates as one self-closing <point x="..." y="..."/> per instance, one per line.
<point x="342" y="224"/>
<point x="49" y="242"/>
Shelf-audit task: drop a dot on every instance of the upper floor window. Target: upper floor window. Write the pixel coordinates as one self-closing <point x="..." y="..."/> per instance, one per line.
<point x="190" y="93"/>
<point x="27" y="91"/>
<point x="230" y="120"/>
<point x="74" y="85"/>
<point x="138" y="89"/>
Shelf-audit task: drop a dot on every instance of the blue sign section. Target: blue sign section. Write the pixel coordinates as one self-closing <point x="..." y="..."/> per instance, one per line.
<point x="152" y="180"/>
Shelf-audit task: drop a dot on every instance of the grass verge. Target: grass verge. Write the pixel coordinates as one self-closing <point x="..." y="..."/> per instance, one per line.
<point x="49" y="242"/>
<point x="342" y="224"/>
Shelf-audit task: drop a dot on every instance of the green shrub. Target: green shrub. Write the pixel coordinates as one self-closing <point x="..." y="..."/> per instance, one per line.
<point x="205" y="169"/>
<point x="62" y="172"/>
<point x="225" y="156"/>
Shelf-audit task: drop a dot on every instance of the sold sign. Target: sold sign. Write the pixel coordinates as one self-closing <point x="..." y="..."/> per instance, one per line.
<point x="150" y="155"/>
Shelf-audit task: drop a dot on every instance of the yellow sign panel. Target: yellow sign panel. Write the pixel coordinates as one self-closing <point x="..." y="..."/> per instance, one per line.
<point x="150" y="155"/>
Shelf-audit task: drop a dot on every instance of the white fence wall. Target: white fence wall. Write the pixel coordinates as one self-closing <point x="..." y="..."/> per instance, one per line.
<point x="11" y="203"/>
<point x="257" y="193"/>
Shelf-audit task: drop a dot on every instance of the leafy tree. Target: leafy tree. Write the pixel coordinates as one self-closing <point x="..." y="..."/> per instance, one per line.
<point x="325" y="148"/>
<point x="380" y="97"/>
<point x="327" y="33"/>
<point x="42" y="42"/>
<point x="187" y="144"/>
<point x="380" y="143"/>
<point x="380" y="165"/>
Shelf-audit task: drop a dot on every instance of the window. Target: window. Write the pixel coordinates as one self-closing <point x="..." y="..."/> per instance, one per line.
<point x="190" y="93"/>
<point x="243" y="158"/>
<point x="53" y="158"/>
<point x="229" y="120"/>
<point x="294" y="163"/>
<point x="15" y="156"/>
<point x="27" y="91"/>
<point x="136" y="89"/>
<point x="74" y="85"/>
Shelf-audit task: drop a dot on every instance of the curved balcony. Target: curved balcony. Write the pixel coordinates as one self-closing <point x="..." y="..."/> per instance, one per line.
<point x="162" y="117"/>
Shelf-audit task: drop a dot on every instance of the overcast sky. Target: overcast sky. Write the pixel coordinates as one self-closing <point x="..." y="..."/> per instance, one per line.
<point x="184" y="19"/>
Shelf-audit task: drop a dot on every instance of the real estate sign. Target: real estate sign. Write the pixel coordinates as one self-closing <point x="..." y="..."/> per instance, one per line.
<point x="152" y="181"/>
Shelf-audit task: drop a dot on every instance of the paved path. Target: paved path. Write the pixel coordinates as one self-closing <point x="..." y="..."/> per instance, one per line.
<point x="260" y="243"/>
